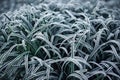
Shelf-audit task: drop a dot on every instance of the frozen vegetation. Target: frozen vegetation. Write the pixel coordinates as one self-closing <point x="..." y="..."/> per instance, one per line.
<point x="60" y="40"/>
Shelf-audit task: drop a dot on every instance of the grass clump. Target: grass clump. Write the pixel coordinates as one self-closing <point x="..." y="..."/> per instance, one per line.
<point x="60" y="41"/>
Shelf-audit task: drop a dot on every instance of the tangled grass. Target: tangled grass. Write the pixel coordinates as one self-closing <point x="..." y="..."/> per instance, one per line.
<point x="54" y="41"/>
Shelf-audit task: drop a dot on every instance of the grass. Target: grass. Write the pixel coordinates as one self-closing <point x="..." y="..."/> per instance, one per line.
<point x="60" y="42"/>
